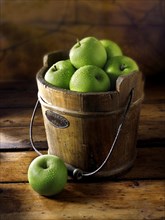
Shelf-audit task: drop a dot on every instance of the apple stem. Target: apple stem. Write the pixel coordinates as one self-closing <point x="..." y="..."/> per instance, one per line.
<point x="122" y="67"/>
<point x="55" y="68"/>
<point x="78" y="42"/>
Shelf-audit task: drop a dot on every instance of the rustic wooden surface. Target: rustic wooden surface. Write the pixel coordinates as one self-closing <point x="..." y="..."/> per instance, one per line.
<point x="138" y="194"/>
<point x="31" y="29"/>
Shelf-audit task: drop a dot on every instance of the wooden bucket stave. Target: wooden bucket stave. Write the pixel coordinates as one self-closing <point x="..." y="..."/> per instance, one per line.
<point x="93" y="120"/>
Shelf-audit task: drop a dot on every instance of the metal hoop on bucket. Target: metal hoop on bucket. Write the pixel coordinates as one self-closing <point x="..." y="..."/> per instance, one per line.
<point x="77" y="173"/>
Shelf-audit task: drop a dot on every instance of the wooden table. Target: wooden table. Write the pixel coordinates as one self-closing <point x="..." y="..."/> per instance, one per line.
<point x="139" y="194"/>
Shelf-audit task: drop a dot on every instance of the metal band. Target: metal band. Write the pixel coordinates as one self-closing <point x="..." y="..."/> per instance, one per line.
<point x="79" y="113"/>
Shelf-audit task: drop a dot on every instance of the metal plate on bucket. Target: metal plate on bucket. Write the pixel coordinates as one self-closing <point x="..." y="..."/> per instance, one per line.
<point x="57" y="120"/>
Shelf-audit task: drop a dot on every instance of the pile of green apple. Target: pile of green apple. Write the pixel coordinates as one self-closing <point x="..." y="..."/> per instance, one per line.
<point x="93" y="65"/>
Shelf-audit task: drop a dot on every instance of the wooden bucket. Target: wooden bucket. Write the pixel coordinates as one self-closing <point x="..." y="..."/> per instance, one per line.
<point x="80" y="127"/>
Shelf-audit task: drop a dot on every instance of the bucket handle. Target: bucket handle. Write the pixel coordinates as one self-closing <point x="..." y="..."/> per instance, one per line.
<point x="77" y="173"/>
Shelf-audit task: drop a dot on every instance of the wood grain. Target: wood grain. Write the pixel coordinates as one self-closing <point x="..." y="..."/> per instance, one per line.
<point x="148" y="164"/>
<point x="138" y="200"/>
<point x="12" y="123"/>
<point x="15" y="138"/>
<point x="138" y="194"/>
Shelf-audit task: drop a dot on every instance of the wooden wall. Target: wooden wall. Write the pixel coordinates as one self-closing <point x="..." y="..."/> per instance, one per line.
<point x="31" y="28"/>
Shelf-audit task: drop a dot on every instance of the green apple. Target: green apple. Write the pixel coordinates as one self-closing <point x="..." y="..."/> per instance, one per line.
<point x="59" y="74"/>
<point x="88" y="51"/>
<point x="111" y="48"/>
<point x="47" y="175"/>
<point x="90" y="78"/>
<point x="119" y="65"/>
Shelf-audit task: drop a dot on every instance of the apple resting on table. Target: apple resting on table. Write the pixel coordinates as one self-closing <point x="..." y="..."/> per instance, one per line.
<point x="47" y="175"/>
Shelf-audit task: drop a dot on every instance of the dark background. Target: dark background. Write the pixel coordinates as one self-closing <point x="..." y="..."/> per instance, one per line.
<point x="32" y="28"/>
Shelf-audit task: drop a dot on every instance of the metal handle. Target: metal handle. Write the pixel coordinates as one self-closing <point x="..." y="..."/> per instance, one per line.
<point x="74" y="172"/>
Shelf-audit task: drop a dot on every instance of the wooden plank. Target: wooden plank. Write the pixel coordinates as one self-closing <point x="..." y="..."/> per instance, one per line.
<point x="149" y="164"/>
<point x="16" y="112"/>
<point x="150" y="110"/>
<point x="14" y="123"/>
<point x="19" y="117"/>
<point x="15" y="117"/>
<point x="105" y="200"/>
<point x="23" y="94"/>
<point x="152" y="122"/>
<point x="18" y="138"/>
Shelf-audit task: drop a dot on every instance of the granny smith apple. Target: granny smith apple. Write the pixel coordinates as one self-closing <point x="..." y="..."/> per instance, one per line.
<point x="47" y="175"/>
<point x="88" y="51"/>
<point x="90" y="78"/>
<point x="59" y="74"/>
<point x="119" y="65"/>
<point x="112" y="48"/>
